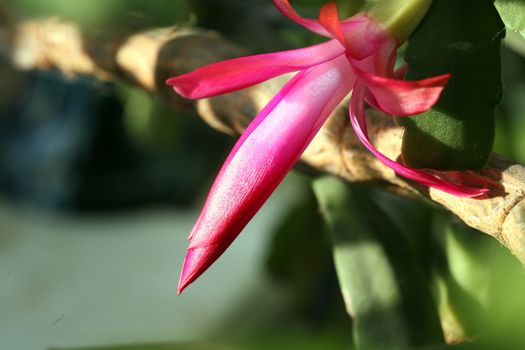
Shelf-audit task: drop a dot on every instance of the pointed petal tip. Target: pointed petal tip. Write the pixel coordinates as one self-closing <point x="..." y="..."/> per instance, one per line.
<point x="437" y="81"/>
<point x="182" y="285"/>
<point x="181" y="87"/>
<point x="445" y="77"/>
<point x="173" y="81"/>
<point x="238" y="73"/>
<point x="465" y="191"/>
<point x="185" y="278"/>
<point x="189" y="270"/>
<point x="404" y="97"/>
<point x="169" y="81"/>
<point x="481" y="192"/>
<point x="197" y="260"/>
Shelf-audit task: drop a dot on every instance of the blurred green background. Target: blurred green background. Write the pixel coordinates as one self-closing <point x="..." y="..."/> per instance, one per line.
<point x="100" y="184"/>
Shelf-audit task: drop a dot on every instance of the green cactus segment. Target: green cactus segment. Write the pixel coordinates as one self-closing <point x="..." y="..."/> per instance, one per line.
<point x="512" y="12"/>
<point x="384" y="289"/>
<point x="400" y="17"/>
<point x="462" y="38"/>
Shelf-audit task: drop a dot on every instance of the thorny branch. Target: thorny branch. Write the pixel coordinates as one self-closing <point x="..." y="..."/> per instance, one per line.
<point x="146" y="59"/>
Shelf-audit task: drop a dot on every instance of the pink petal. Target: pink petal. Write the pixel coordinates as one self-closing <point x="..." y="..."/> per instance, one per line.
<point x="380" y="59"/>
<point x="361" y="37"/>
<point x="313" y="24"/>
<point x="400" y="72"/>
<point x="329" y="19"/>
<point x="262" y="157"/>
<point x="381" y="63"/>
<point x="365" y="37"/>
<point x="403" y="98"/>
<point x="358" y="120"/>
<point x="238" y="73"/>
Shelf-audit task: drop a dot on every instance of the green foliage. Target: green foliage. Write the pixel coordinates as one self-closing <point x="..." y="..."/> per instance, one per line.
<point x="308" y="272"/>
<point x="512" y="12"/>
<point x="390" y="251"/>
<point x="107" y="15"/>
<point x="479" y="283"/>
<point x="179" y="346"/>
<point x="461" y="38"/>
<point x="510" y="142"/>
<point x="383" y="286"/>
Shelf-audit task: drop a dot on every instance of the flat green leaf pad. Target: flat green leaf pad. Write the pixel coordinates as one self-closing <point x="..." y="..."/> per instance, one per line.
<point x="513" y="14"/>
<point x="462" y="38"/>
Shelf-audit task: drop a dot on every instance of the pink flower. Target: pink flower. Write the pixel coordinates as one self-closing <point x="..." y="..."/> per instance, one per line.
<point x="359" y="57"/>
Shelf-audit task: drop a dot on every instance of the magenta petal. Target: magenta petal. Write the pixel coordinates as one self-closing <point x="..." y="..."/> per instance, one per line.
<point x="358" y="120"/>
<point x="400" y="72"/>
<point x="329" y="19"/>
<point x="262" y="157"/>
<point x="311" y="24"/>
<point x="403" y="98"/>
<point x="238" y="73"/>
<point x="194" y="256"/>
<point x="366" y="38"/>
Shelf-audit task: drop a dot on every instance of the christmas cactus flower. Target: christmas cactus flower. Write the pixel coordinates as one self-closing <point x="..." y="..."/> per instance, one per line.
<point x="359" y="57"/>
